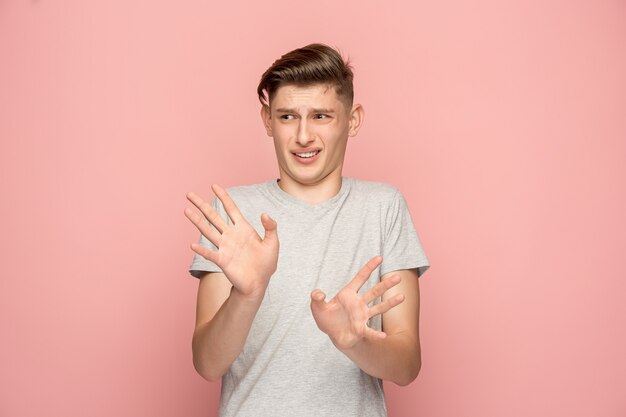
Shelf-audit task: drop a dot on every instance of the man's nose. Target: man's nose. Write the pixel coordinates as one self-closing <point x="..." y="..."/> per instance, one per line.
<point x="304" y="135"/>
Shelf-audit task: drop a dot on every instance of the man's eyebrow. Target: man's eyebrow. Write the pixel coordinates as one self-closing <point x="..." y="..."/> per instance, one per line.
<point x="286" y="110"/>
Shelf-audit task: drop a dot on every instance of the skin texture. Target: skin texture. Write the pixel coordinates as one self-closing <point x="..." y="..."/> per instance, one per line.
<point x="301" y="120"/>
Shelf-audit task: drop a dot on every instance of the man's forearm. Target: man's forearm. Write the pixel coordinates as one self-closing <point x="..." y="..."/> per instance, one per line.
<point x="218" y="342"/>
<point x="396" y="358"/>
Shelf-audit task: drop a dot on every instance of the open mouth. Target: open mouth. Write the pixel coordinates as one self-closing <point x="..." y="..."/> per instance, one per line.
<point x="307" y="155"/>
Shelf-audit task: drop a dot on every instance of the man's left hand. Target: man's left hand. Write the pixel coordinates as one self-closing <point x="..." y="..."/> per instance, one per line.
<point x="344" y="318"/>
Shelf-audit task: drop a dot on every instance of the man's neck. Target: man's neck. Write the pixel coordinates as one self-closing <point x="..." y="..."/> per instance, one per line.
<point x="312" y="193"/>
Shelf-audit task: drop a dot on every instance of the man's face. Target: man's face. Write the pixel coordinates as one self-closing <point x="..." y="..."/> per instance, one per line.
<point x="310" y="126"/>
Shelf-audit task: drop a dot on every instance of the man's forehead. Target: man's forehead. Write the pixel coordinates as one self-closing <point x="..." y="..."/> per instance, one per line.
<point x="291" y="95"/>
<point x="305" y="91"/>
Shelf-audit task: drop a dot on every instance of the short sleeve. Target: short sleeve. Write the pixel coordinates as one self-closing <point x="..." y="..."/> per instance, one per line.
<point x="199" y="264"/>
<point x="402" y="248"/>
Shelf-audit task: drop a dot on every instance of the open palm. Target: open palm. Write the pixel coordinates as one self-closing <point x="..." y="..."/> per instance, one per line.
<point x="344" y="318"/>
<point x="247" y="260"/>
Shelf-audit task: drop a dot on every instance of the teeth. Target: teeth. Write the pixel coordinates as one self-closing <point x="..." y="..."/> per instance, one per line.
<point x="307" y="154"/>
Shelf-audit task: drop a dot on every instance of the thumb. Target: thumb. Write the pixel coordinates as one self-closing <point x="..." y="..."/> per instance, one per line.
<point x="270" y="226"/>
<point x="317" y="301"/>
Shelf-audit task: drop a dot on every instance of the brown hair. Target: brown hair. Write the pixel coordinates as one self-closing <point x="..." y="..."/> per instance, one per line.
<point x="313" y="64"/>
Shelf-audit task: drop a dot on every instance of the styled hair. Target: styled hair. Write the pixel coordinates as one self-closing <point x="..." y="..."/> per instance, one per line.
<point x="313" y="64"/>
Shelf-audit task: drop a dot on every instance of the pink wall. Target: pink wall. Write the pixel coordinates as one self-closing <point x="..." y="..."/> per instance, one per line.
<point x="504" y="123"/>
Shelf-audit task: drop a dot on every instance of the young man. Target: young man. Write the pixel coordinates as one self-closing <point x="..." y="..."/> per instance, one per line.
<point x="264" y="323"/>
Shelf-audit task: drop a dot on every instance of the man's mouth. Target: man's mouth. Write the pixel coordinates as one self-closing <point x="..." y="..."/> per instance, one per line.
<point x="306" y="154"/>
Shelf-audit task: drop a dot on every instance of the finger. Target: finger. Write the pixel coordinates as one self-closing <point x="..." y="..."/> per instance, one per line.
<point x="270" y="227"/>
<point x="386" y="305"/>
<point x="380" y="288"/>
<point x="374" y="334"/>
<point x="229" y="205"/>
<point x="209" y="212"/>
<point x="363" y="275"/>
<point x="206" y="253"/>
<point x="317" y="300"/>
<point x="203" y="226"/>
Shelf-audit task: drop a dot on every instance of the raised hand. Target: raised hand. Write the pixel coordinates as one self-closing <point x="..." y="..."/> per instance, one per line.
<point x="344" y="318"/>
<point x="247" y="260"/>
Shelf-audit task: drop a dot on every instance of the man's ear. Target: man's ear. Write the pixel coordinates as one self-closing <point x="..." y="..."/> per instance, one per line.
<point x="356" y="119"/>
<point x="266" y="117"/>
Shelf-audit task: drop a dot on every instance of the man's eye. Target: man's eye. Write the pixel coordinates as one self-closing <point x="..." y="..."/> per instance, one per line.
<point x="287" y="116"/>
<point x="321" y="116"/>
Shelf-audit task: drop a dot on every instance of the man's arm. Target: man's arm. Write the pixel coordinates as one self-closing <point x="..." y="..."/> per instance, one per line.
<point x="397" y="357"/>
<point x="223" y="320"/>
<point x="229" y="301"/>
<point x="393" y="354"/>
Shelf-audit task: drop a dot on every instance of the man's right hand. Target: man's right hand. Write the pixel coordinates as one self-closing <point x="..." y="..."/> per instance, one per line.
<point x="247" y="260"/>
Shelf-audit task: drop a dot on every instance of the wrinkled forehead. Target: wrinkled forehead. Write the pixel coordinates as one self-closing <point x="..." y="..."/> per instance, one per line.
<point x="310" y="95"/>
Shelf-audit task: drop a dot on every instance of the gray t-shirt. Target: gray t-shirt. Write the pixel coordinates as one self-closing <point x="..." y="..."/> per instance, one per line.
<point x="288" y="367"/>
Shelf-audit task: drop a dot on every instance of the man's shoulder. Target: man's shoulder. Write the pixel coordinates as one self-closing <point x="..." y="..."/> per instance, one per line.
<point x="247" y="189"/>
<point x="249" y="196"/>
<point x="381" y="190"/>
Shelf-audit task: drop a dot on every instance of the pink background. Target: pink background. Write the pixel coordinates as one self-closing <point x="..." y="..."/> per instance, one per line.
<point x="504" y="123"/>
